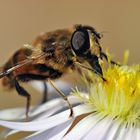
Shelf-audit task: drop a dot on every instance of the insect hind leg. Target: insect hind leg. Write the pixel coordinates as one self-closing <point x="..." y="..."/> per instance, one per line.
<point x="29" y="77"/>
<point x="45" y="92"/>
<point x="21" y="91"/>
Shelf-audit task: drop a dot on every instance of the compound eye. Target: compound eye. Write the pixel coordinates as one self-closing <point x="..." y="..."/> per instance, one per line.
<point x="80" y="41"/>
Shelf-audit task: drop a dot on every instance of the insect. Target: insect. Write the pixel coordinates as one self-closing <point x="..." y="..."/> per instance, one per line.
<point x="51" y="55"/>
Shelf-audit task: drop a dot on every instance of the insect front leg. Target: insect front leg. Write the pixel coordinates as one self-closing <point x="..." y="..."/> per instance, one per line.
<point x="82" y="74"/>
<point x="93" y="61"/>
<point x="103" y="55"/>
<point x="21" y="91"/>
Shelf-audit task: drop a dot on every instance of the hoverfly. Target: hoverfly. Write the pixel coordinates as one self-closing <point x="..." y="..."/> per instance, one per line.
<point x="51" y="55"/>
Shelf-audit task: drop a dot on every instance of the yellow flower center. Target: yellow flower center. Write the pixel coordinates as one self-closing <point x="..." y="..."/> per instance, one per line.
<point x="119" y="96"/>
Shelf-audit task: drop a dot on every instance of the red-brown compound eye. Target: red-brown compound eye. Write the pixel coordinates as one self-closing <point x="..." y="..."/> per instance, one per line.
<point x="80" y="41"/>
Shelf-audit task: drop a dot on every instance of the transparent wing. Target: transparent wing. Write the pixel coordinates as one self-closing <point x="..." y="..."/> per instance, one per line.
<point x="22" y="63"/>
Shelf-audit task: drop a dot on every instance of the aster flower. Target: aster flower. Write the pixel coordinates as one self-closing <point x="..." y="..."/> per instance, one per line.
<point x="109" y="111"/>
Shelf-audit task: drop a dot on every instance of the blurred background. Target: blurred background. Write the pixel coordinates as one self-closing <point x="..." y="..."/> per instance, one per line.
<point x="21" y="21"/>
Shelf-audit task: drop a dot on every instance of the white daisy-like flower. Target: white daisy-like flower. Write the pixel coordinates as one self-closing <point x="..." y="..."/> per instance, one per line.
<point x="109" y="111"/>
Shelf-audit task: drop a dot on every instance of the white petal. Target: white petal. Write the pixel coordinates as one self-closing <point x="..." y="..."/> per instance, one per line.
<point x="83" y="127"/>
<point x="106" y="129"/>
<point x="130" y="134"/>
<point x="46" y="123"/>
<point x="48" y="133"/>
<point x="11" y="114"/>
<point x="48" y="108"/>
<point x="48" y="113"/>
<point x="19" y="113"/>
<point x="58" y="107"/>
<point x="52" y="107"/>
<point x="60" y="135"/>
<point x="137" y="132"/>
<point x="122" y="132"/>
<point x="38" y="125"/>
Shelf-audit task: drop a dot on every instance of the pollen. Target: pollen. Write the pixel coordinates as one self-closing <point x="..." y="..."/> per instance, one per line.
<point x="119" y="96"/>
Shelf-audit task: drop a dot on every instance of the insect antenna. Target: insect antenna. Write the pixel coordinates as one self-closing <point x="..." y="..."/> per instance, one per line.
<point x="91" y="69"/>
<point x="102" y="33"/>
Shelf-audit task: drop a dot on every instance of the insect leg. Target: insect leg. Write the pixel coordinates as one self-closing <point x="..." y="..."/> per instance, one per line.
<point x="21" y="91"/>
<point x="81" y="73"/>
<point x="63" y="96"/>
<point x="93" y="61"/>
<point x="28" y="77"/>
<point x="45" y="95"/>
<point x="103" y="55"/>
<point x="91" y="69"/>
